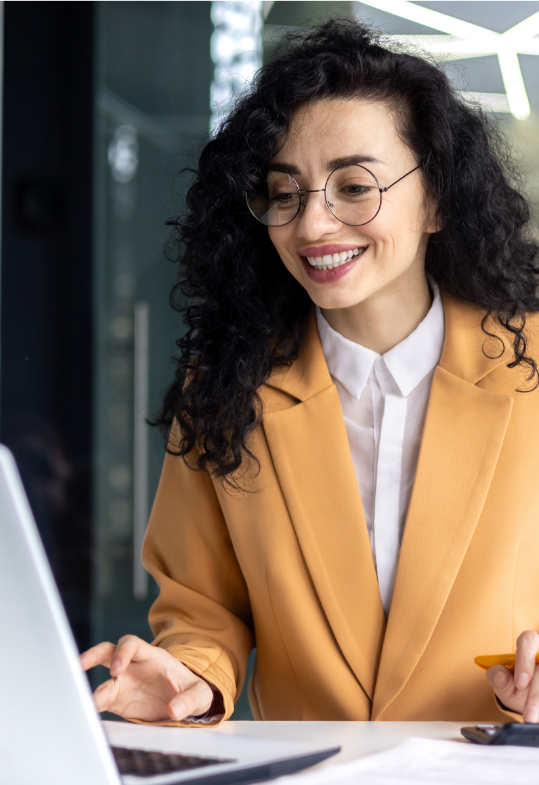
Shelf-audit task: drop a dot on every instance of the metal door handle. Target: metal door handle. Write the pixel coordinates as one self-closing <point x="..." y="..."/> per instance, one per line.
<point x="140" y="445"/>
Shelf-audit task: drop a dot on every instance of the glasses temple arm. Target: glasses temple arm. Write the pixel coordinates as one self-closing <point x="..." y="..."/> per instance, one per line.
<point x="384" y="190"/>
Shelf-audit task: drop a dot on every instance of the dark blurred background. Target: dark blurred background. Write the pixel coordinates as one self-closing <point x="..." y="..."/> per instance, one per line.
<point x="103" y="104"/>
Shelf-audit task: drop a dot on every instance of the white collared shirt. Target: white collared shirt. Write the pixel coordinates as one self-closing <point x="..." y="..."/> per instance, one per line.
<point x="384" y="402"/>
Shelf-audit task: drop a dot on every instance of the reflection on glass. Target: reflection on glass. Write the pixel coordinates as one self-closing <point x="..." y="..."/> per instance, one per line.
<point x="236" y="50"/>
<point x="153" y="77"/>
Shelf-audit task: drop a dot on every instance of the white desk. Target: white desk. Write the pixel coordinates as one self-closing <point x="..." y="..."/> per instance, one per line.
<point x="356" y="738"/>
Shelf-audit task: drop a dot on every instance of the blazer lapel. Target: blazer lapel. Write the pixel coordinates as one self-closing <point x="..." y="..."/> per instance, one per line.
<point x="311" y="456"/>
<point x="463" y="435"/>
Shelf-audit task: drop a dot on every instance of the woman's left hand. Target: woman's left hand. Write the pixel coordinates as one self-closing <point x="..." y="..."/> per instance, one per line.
<point x="519" y="691"/>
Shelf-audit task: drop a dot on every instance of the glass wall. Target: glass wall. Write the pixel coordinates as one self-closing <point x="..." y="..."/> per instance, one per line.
<point x="152" y="113"/>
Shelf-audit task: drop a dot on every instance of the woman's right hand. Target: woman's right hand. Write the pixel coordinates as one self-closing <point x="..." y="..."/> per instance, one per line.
<point x="147" y="683"/>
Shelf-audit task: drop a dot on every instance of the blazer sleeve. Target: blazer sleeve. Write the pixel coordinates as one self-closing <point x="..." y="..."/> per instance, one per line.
<point x="202" y="615"/>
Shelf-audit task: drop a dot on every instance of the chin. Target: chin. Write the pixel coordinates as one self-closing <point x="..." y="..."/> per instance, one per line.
<point x="331" y="300"/>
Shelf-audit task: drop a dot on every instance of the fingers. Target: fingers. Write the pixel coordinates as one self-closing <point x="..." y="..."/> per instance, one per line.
<point x="193" y="701"/>
<point x="527" y="648"/>
<point x="520" y="691"/>
<point x="129" y="648"/>
<point x="97" y="655"/>
<point x="502" y="682"/>
<point x="116" y="657"/>
<point x="531" y="708"/>
<point x="106" y="694"/>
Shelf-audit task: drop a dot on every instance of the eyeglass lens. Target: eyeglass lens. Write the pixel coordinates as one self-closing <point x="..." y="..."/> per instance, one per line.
<point x="352" y="195"/>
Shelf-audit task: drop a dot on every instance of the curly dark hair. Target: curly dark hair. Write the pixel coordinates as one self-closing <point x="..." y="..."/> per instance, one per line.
<point x="245" y="313"/>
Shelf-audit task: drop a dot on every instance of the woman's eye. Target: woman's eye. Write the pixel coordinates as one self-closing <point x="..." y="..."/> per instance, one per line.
<point x="283" y="197"/>
<point x="352" y="190"/>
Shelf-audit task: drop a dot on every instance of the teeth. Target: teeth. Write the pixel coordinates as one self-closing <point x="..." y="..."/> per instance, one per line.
<point x="329" y="261"/>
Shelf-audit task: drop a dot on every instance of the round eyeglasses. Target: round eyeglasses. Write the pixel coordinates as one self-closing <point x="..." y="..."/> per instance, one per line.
<point x="353" y="195"/>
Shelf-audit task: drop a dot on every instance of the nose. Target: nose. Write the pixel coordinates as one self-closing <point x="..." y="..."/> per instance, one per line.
<point x="315" y="219"/>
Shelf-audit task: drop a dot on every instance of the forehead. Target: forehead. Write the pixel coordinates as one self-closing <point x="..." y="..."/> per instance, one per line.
<point x="333" y="128"/>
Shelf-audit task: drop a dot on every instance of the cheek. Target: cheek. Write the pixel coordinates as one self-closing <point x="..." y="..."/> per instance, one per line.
<point x="382" y="236"/>
<point x="396" y="230"/>
<point x="408" y="216"/>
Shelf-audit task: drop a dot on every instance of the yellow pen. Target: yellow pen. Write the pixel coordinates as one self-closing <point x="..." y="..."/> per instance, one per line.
<point x="508" y="660"/>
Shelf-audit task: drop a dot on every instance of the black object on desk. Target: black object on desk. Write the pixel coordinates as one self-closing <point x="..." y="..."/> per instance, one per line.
<point x="520" y="734"/>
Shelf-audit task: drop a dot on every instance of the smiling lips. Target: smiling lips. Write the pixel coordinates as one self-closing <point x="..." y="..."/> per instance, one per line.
<point x="329" y="263"/>
<point x="331" y="260"/>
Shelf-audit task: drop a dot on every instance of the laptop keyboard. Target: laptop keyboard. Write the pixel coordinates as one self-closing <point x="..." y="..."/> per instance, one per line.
<point x="145" y="763"/>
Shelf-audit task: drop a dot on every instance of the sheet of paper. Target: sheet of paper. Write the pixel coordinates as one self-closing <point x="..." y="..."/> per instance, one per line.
<point x="428" y="762"/>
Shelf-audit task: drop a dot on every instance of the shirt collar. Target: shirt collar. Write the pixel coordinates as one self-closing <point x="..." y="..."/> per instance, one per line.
<point x="408" y="362"/>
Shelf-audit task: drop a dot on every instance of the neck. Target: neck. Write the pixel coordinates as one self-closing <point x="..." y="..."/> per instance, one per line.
<point x="385" y="318"/>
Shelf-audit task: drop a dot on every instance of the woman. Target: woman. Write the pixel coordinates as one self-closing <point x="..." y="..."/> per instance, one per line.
<point x="357" y="391"/>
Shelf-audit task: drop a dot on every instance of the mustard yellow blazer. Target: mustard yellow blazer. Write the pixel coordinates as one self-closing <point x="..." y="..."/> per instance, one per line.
<point x="287" y="567"/>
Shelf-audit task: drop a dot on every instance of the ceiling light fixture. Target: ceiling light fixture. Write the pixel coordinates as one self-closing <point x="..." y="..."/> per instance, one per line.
<point x="465" y="40"/>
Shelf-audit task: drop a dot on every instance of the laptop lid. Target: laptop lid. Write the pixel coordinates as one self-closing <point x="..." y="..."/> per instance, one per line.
<point x="49" y="730"/>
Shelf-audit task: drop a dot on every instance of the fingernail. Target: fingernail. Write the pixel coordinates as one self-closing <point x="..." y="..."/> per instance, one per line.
<point x="522" y="680"/>
<point x="115" y="663"/>
<point x="532" y="714"/>
<point x="178" y="709"/>
<point x="500" y="679"/>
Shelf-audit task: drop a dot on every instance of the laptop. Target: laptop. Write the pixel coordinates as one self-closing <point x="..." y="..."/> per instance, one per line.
<point x="50" y="732"/>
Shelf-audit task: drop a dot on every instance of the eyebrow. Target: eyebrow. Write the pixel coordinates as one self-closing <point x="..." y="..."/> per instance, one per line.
<point x="335" y="163"/>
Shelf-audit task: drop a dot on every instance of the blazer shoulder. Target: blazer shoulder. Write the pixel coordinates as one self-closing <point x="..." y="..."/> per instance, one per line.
<point x="531" y="332"/>
<point x="517" y="380"/>
<point x="478" y="349"/>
